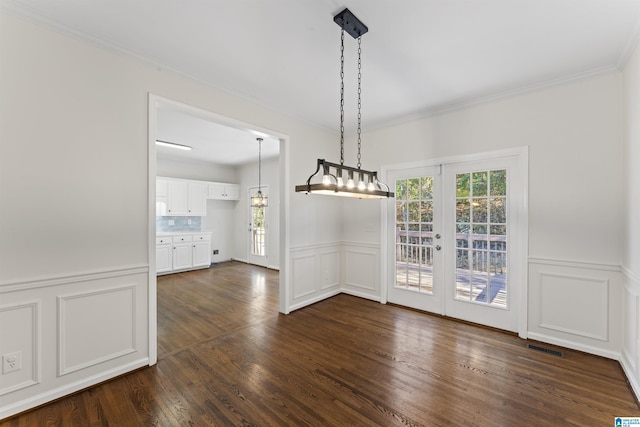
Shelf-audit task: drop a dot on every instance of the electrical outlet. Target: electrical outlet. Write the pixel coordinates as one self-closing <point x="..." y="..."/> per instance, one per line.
<point x="11" y="362"/>
<point x="216" y="252"/>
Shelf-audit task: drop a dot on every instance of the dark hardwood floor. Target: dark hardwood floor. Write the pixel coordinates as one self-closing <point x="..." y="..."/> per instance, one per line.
<point x="226" y="357"/>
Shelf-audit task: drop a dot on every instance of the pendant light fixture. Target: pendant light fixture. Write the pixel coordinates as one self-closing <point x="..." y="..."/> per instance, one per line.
<point x="259" y="200"/>
<point x="359" y="183"/>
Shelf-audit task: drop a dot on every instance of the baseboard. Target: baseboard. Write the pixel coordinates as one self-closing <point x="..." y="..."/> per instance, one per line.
<point x="629" y="373"/>
<point x="361" y="295"/>
<point x="50" y="395"/>
<point x="315" y="299"/>
<point x="574" y="345"/>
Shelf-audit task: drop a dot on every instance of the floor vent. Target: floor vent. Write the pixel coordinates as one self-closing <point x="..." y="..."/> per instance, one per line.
<point x="545" y="350"/>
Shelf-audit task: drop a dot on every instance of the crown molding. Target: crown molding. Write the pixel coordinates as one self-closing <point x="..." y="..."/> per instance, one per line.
<point x="481" y="100"/>
<point x="630" y="46"/>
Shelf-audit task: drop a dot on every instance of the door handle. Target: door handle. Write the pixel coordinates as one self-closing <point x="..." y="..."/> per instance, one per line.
<point x="438" y="247"/>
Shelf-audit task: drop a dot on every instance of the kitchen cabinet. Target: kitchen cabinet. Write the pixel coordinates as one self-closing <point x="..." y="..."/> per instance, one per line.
<point x="223" y="191"/>
<point x="201" y="254"/>
<point x="181" y="197"/>
<point x="161" y="197"/>
<point x="197" y="200"/>
<point x="177" y="198"/>
<point x="182" y="252"/>
<point x="164" y="252"/>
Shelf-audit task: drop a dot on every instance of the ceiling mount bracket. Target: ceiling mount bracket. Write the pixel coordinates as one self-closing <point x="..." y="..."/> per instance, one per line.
<point x="352" y="25"/>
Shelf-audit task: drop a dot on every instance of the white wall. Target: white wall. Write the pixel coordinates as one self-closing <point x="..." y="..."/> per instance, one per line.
<point x="576" y="226"/>
<point x="74" y="224"/>
<point x="631" y="191"/>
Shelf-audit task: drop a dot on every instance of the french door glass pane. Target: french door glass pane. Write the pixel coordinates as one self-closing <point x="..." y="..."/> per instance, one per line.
<point x="414" y="229"/>
<point x="481" y="237"/>
<point x="258" y="234"/>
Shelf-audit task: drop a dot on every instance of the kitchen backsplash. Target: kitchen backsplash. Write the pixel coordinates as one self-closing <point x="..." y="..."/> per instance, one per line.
<point x="180" y="223"/>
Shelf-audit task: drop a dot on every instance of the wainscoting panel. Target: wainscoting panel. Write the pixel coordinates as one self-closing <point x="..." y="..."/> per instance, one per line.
<point x="91" y="331"/>
<point x="304" y="274"/>
<point x="630" y="358"/>
<point x="558" y="292"/>
<point x="362" y="270"/>
<point x="72" y="332"/>
<point x="330" y="269"/>
<point x="20" y="332"/>
<point x="576" y="305"/>
<point x="314" y="274"/>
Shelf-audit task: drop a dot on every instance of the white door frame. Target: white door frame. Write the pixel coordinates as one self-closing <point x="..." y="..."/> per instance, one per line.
<point x="284" y="182"/>
<point x="520" y="246"/>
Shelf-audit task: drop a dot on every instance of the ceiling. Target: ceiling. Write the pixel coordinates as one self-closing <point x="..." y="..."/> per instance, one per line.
<point x="211" y="141"/>
<point x="419" y="57"/>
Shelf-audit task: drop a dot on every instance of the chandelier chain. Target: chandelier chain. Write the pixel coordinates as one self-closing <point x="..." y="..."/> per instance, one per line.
<point x="342" y="98"/>
<point x="359" y="101"/>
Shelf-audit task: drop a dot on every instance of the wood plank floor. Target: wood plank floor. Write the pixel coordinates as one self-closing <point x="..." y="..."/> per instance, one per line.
<point x="226" y="357"/>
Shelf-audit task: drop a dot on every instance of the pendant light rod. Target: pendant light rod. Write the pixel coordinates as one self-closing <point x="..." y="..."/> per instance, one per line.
<point x="259" y="165"/>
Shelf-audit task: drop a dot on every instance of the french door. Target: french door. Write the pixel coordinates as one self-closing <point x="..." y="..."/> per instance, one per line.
<point x="455" y="240"/>
<point x="257" y="240"/>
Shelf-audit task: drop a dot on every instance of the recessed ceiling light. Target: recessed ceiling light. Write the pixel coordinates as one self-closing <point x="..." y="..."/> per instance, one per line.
<point x="173" y="145"/>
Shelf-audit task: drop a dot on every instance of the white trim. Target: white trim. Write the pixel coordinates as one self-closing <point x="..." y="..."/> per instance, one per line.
<point x="355" y="293"/>
<point x="447" y="160"/>
<point x="575" y="264"/>
<point x="317" y="298"/>
<point x="628" y="369"/>
<point x="48" y="396"/>
<point x="632" y="281"/>
<point x="72" y="278"/>
<point x="499" y="96"/>
<point x="574" y="345"/>
<point x="318" y="246"/>
<point x="629" y="47"/>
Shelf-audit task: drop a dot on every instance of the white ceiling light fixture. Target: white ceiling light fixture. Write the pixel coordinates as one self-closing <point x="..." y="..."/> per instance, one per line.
<point x="360" y="183"/>
<point x="259" y="200"/>
<point x="173" y="145"/>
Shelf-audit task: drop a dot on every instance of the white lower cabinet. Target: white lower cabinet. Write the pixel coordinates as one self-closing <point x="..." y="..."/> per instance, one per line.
<point x="182" y="252"/>
<point x="201" y="254"/>
<point x="164" y="254"/>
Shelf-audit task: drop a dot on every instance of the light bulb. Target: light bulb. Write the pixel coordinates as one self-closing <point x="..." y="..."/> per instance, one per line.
<point x="350" y="183"/>
<point x="361" y="184"/>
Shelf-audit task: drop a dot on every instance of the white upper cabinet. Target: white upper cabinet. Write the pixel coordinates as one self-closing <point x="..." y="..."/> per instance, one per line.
<point x="197" y="200"/>
<point x="224" y="191"/>
<point x="161" y="197"/>
<point x="177" y="198"/>
<point x="185" y="197"/>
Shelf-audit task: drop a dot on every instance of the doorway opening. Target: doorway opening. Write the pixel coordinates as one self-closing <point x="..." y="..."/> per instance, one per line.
<point x="157" y="104"/>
